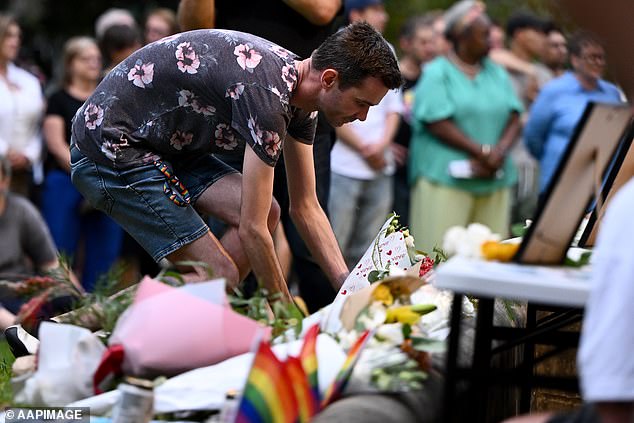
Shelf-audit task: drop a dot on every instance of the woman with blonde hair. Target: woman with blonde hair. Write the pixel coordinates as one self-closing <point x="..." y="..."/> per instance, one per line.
<point x="21" y="110"/>
<point x="63" y="207"/>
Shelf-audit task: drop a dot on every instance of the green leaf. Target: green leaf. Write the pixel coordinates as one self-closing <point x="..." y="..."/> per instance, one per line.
<point x="374" y="276"/>
<point x="584" y="260"/>
<point x="407" y="330"/>
<point x="428" y="345"/>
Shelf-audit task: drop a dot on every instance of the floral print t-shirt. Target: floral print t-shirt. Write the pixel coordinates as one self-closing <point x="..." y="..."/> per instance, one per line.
<point x="204" y="91"/>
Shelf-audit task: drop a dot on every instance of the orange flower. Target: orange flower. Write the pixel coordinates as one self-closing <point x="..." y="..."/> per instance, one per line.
<point x="500" y="251"/>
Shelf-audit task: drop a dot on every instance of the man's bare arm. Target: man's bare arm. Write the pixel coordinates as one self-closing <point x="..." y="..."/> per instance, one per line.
<point x="307" y="214"/>
<point x="317" y="12"/>
<point x="257" y="195"/>
<point x="196" y="14"/>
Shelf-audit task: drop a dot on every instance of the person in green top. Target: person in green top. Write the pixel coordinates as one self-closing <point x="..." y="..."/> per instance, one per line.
<point x="466" y="117"/>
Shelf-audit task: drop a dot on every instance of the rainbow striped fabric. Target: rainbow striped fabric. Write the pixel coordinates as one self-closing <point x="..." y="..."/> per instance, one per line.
<point x="307" y="407"/>
<point x="336" y="388"/>
<point x="268" y="396"/>
<point x="308" y="357"/>
<point x="288" y="391"/>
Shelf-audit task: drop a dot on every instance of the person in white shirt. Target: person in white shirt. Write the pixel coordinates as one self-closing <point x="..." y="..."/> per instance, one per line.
<point x="21" y="111"/>
<point x="361" y="163"/>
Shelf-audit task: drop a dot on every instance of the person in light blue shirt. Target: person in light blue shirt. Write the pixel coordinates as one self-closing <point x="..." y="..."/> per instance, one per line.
<point x="561" y="102"/>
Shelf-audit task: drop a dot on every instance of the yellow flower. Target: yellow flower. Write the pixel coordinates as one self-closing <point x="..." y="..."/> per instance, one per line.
<point x="493" y="250"/>
<point x="402" y="314"/>
<point x="382" y="293"/>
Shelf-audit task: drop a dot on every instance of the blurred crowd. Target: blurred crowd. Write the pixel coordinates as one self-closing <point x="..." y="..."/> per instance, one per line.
<point x="474" y="135"/>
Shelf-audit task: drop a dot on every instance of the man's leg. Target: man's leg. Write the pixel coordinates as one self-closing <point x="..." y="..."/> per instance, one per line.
<point x="222" y="200"/>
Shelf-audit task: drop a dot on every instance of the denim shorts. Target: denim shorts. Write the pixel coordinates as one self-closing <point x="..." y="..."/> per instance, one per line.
<point x="146" y="202"/>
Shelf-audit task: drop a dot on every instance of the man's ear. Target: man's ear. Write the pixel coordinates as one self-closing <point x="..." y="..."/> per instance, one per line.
<point x="329" y="78"/>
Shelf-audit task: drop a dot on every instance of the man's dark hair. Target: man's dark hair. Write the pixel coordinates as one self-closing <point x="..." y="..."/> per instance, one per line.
<point x="581" y="39"/>
<point x="5" y="168"/>
<point x="551" y="26"/>
<point x="523" y="20"/>
<point x="118" y="37"/>
<point x="358" y="51"/>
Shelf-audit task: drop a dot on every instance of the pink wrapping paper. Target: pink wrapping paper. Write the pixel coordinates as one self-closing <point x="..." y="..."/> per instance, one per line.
<point x="167" y="330"/>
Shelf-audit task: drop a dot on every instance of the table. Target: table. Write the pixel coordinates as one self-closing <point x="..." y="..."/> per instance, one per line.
<point x="560" y="289"/>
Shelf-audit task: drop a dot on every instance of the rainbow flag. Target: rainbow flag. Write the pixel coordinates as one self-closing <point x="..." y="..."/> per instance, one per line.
<point x="308" y="357"/>
<point x="336" y="388"/>
<point x="268" y="396"/>
<point x="306" y="404"/>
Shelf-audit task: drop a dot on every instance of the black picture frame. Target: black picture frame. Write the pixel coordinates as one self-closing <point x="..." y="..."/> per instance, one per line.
<point x="621" y="171"/>
<point x="575" y="183"/>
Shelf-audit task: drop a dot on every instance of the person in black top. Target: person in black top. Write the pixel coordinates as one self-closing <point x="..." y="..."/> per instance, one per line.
<point x="299" y="26"/>
<point x="68" y="216"/>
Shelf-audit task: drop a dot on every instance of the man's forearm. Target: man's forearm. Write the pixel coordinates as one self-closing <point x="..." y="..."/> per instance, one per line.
<point x="315" y="230"/>
<point x="317" y="12"/>
<point x="259" y="248"/>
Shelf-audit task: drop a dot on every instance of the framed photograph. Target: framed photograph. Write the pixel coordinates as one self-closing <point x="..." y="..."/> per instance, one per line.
<point x="576" y="182"/>
<point x="621" y="171"/>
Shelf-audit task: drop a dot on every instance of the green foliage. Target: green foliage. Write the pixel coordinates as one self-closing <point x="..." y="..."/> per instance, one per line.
<point x="428" y="345"/>
<point x="281" y="317"/>
<point x="583" y="260"/>
<point x="439" y="255"/>
<point x="6" y="361"/>
<point x="399" y="376"/>
<point x="105" y="304"/>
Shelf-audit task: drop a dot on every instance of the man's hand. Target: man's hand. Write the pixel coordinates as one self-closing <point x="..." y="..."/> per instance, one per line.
<point x="18" y="160"/>
<point x="374" y="155"/>
<point x="400" y="154"/>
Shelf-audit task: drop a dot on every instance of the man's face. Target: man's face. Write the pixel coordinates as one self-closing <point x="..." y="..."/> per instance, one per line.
<point x="375" y="15"/>
<point x="534" y="41"/>
<point x="343" y="106"/>
<point x="556" y="49"/>
<point x="591" y="62"/>
<point x="423" y="44"/>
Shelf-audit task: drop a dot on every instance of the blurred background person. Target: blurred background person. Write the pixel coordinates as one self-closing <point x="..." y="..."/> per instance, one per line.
<point x="362" y="163"/>
<point x="118" y="42"/>
<point x="72" y="222"/>
<point x="527" y="43"/>
<point x="21" y="111"/>
<point x="497" y="36"/>
<point x="160" y="23"/>
<point x="556" y="51"/>
<point x="466" y="117"/>
<point x="418" y="45"/>
<point x="111" y="17"/>
<point x="559" y="106"/>
<point x="26" y="245"/>
<point x="443" y="45"/>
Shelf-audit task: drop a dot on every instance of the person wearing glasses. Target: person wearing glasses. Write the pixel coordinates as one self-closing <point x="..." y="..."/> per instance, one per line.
<point x="560" y="104"/>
